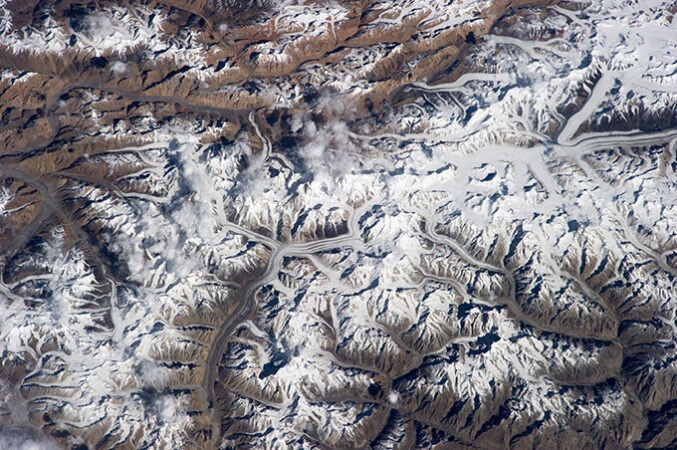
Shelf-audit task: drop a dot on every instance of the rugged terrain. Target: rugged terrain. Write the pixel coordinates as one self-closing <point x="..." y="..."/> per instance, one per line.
<point x="338" y="224"/>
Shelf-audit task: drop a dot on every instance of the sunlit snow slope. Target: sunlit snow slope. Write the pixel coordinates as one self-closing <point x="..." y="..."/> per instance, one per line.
<point x="338" y="224"/>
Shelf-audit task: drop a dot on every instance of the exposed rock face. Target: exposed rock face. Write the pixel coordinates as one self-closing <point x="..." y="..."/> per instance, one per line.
<point x="232" y="224"/>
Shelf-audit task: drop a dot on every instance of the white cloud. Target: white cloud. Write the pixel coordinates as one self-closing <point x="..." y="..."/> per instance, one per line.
<point x="118" y="67"/>
<point x="25" y="439"/>
<point x="170" y="409"/>
<point x="327" y="152"/>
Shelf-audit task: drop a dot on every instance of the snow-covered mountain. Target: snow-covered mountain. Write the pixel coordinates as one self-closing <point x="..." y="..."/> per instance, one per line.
<point x="323" y="224"/>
